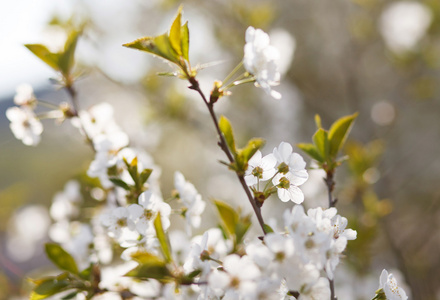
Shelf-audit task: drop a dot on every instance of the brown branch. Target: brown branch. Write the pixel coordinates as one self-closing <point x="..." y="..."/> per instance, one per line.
<point x="224" y="146"/>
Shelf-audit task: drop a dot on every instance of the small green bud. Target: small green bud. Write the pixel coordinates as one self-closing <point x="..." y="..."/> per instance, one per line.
<point x="283" y="168"/>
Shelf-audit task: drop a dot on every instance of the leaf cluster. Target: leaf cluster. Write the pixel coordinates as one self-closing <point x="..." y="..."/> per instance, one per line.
<point x="139" y="179"/>
<point x="70" y="279"/>
<point x="62" y="61"/>
<point x="243" y="155"/>
<point x="233" y="224"/>
<point x="327" y="143"/>
<point x="172" y="46"/>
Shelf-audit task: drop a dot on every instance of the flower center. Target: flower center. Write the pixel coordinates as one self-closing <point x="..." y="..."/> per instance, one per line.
<point x="121" y="222"/>
<point x="309" y="244"/>
<point x="284" y="183"/>
<point x="257" y="172"/>
<point x="235" y="282"/>
<point x="149" y="214"/>
<point x="279" y="256"/>
<point x="283" y="168"/>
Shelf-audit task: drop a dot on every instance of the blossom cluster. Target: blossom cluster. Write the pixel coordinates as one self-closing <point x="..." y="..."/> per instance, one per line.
<point x="24" y="123"/>
<point x="285" y="168"/>
<point x="128" y="242"/>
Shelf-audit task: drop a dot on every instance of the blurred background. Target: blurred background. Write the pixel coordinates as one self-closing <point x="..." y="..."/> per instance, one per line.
<point x="380" y="58"/>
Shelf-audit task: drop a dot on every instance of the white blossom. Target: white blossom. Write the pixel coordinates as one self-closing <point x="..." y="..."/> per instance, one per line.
<point x="237" y="279"/>
<point x="260" y="168"/>
<point x="144" y="213"/>
<point x="25" y="96"/>
<point x="192" y="200"/>
<point x="24" y="125"/>
<point x="287" y="187"/>
<point x="260" y="59"/>
<point x="389" y="285"/>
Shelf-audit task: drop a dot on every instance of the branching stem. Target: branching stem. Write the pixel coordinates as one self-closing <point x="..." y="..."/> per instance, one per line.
<point x="74" y="100"/>
<point x="223" y="145"/>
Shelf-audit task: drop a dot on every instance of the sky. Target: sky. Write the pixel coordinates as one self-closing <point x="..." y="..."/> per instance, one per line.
<point x="21" y="22"/>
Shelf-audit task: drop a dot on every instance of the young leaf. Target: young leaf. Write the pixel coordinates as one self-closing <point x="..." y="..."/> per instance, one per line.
<point x="66" y="59"/>
<point x="246" y="153"/>
<point x="311" y="150"/>
<point x="226" y="129"/>
<point x="51" y="59"/>
<point x="228" y="216"/>
<point x="70" y="296"/>
<point x="120" y="183"/>
<point x="175" y="33"/>
<point x="318" y="121"/>
<point x="49" y="287"/>
<point x="159" y="45"/>
<point x="320" y="138"/>
<point x="150" y="266"/>
<point x="61" y="258"/>
<point x="184" y="38"/>
<point x="338" y="133"/>
<point x="145" y="174"/>
<point x="163" y="239"/>
<point x="241" y="228"/>
<point x="267" y="228"/>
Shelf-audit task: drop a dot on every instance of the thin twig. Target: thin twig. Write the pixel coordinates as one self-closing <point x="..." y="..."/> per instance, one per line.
<point x="330" y="183"/>
<point x="223" y="145"/>
<point x="74" y="100"/>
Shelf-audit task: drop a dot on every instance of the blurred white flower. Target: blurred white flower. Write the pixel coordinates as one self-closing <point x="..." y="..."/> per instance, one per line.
<point x="285" y="42"/>
<point x="25" y="95"/>
<point x="65" y="203"/>
<point x="238" y="278"/>
<point x="194" y="205"/>
<point x="26" y="229"/>
<point x="144" y="213"/>
<point x="24" y="125"/>
<point x="260" y="60"/>
<point x="97" y="120"/>
<point x="117" y="221"/>
<point x="403" y="24"/>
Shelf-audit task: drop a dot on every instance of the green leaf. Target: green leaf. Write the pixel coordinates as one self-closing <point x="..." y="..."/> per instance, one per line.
<point x="228" y="216"/>
<point x="145" y="174"/>
<point x="247" y="152"/>
<point x="150" y="266"/>
<point x="120" y="183"/>
<point x="70" y="296"/>
<point x="226" y="129"/>
<point x="184" y="38"/>
<point x="252" y="147"/>
<point x="175" y="33"/>
<point x="132" y="169"/>
<point x="86" y="273"/>
<point x="318" y="121"/>
<point x="311" y="150"/>
<point x="49" y="287"/>
<point x="241" y="228"/>
<point x="267" y="228"/>
<point x="67" y="60"/>
<point x="51" y="59"/>
<point x="320" y="139"/>
<point x="338" y="133"/>
<point x="159" y="45"/>
<point x="163" y="239"/>
<point x="194" y="274"/>
<point x="61" y="258"/>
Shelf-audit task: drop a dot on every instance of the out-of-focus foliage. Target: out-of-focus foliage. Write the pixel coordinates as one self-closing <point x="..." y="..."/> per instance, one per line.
<point x="342" y="63"/>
